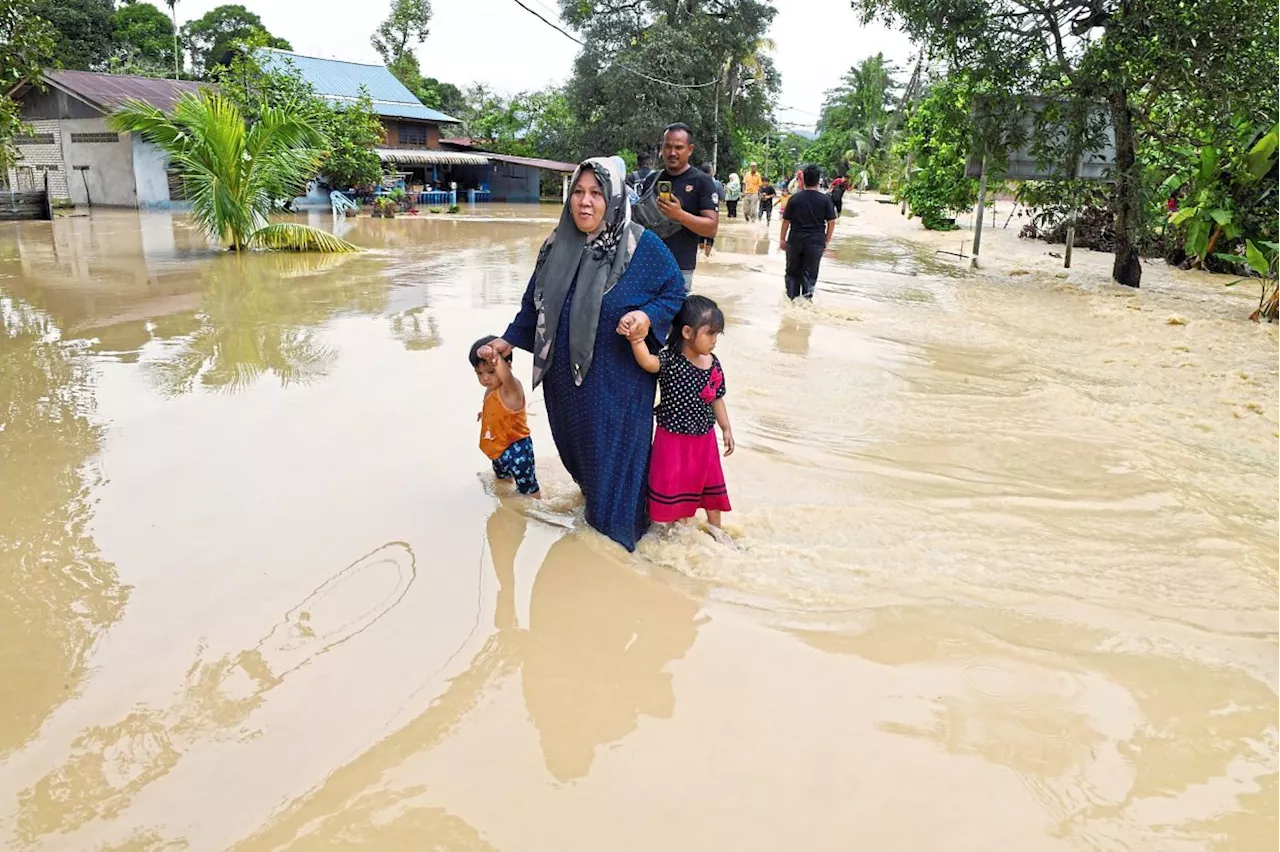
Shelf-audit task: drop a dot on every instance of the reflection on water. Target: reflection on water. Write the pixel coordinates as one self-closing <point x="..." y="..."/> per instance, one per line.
<point x="112" y="764"/>
<point x="1111" y="748"/>
<point x="591" y="661"/>
<point x="1007" y="553"/>
<point x="793" y="335"/>
<point x="57" y="594"/>
<point x="258" y="315"/>
<point x="598" y="640"/>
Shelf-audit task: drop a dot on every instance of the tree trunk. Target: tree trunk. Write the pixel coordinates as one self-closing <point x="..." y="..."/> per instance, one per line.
<point x="1127" y="269"/>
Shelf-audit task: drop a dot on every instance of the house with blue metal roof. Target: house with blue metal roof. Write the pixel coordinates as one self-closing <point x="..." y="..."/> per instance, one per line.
<point x="411" y="130"/>
<point x="410" y="149"/>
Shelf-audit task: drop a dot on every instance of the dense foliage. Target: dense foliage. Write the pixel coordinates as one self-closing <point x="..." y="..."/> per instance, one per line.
<point x="212" y="39"/>
<point x="350" y="132"/>
<point x="613" y="104"/>
<point x="30" y="45"/>
<point x="84" y="30"/>
<point x="1163" y="70"/>
<point x="938" y="136"/>
<point x="141" y="40"/>
<point x="858" y="118"/>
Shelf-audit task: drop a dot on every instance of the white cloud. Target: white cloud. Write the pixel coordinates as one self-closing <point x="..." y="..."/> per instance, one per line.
<point x="498" y="43"/>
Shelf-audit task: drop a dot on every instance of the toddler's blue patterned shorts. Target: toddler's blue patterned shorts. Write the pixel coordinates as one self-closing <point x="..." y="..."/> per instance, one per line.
<point x="516" y="462"/>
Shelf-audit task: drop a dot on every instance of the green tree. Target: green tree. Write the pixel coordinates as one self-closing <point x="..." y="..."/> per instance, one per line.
<point x="408" y="22"/>
<point x="616" y="106"/>
<point x="1128" y="54"/>
<point x="144" y="35"/>
<point x="938" y="136"/>
<point x="352" y="131"/>
<point x="442" y="96"/>
<point x="235" y="172"/>
<point x="30" y="45"/>
<point x="854" y="123"/>
<point x="529" y="124"/>
<point x="83" y="28"/>
<point x="211" y="40"/>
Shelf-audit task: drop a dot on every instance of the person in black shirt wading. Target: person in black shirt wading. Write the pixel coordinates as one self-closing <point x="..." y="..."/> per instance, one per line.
<point x="693" y="202"/>
<point x="808" y="221"/>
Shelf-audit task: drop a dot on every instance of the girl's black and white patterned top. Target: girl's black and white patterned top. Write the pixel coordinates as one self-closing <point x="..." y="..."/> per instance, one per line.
<point x="687" y="393"/>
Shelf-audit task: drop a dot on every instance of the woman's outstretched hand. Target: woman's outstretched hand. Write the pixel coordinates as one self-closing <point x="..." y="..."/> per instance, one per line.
<point x="499" y="346"/>
<point x="634" y="325"/>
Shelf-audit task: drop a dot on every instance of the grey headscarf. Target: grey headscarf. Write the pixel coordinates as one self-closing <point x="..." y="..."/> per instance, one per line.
<point x="596" y="260"/>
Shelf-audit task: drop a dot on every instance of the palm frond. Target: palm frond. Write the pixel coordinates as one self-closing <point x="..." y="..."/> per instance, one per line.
<point x="235" y="174"/>
<point x="134" y="116"/>
<point x="290" y="236"/>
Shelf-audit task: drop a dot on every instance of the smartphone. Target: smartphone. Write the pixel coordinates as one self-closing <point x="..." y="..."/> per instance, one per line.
<point x="664" y="189"/>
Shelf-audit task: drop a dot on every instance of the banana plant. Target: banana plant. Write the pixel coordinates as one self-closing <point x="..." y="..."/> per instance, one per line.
<point x="1209" y="215"/>
<point x="1261" y="257"/>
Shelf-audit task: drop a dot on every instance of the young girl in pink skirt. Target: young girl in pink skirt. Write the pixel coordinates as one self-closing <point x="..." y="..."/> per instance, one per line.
<point x="684" y="470"/>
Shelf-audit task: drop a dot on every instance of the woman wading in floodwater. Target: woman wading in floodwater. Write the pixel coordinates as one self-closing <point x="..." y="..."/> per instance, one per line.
<point x="599" y="278"/>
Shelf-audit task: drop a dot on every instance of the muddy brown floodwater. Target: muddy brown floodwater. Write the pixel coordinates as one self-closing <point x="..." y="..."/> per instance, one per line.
<point x="1007" y="578"/>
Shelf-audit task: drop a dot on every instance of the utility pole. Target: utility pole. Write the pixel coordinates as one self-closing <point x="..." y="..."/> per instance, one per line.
<point x="173" y="11"/>
<point x="715" y="119"/>
<point x="715" y="131"/>
<point x="978" y="214"/>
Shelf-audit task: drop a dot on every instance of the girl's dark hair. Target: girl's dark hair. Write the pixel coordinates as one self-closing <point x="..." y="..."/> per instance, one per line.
<point x="697" y="312"/>
<point x="474" y="355"/>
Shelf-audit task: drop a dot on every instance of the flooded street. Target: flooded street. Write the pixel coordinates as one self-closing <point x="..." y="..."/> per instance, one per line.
<point x="1007" y="577"/>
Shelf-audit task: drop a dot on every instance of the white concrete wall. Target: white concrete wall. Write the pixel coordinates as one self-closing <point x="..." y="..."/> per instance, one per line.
<point x="151" y="179"/>
<point x="109" y="180"/>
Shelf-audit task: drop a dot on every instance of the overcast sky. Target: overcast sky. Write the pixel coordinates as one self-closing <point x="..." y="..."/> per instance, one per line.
<point x="497" y="43"/>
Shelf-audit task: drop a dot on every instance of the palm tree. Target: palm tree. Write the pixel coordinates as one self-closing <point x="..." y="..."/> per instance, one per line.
<point x="234" y="174"/>
<point x="173" y="11"/>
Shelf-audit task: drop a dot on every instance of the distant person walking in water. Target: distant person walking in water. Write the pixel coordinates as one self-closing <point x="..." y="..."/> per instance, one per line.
<point x="600" y="280"/>
<point x="733" y="194"/>
<point x="751" y="194"/>
<point x="708" y="243"/>
<point x="691" y="200"/>
<point x="767" y="194"/>
<point x="808" y="222"/>
<point x="838" y="187"/>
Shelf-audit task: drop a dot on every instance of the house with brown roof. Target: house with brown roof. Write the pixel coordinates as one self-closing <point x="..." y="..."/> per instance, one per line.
<point x="87" y="162"/>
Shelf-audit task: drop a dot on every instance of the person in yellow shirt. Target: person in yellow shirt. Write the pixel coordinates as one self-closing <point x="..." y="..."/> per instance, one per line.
<point x="751" y="194"/>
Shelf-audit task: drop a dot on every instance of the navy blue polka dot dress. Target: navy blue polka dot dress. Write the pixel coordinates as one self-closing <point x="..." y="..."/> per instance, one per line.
<point x="604" y="429"/>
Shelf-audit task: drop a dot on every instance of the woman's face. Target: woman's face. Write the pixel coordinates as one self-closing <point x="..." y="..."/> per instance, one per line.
<point x="587" y="203"/>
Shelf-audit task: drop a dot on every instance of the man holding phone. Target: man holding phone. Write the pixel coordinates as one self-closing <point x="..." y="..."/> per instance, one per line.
<point x="686" y="196"/>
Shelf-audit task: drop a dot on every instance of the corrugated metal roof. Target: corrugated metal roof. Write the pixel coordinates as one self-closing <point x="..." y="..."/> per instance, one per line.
<point x="107" y="91"/>
<point x="429" y="156"/>
<point x="341" y="81"/>
<point x="533" y="162"/>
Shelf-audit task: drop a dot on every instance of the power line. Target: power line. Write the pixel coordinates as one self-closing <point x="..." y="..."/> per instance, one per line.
<point x="616" y="61"/>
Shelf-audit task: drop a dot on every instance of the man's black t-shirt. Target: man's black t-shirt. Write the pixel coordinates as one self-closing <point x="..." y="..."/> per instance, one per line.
<point x="808" y="211"/>
<point x="696" y="192"/>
